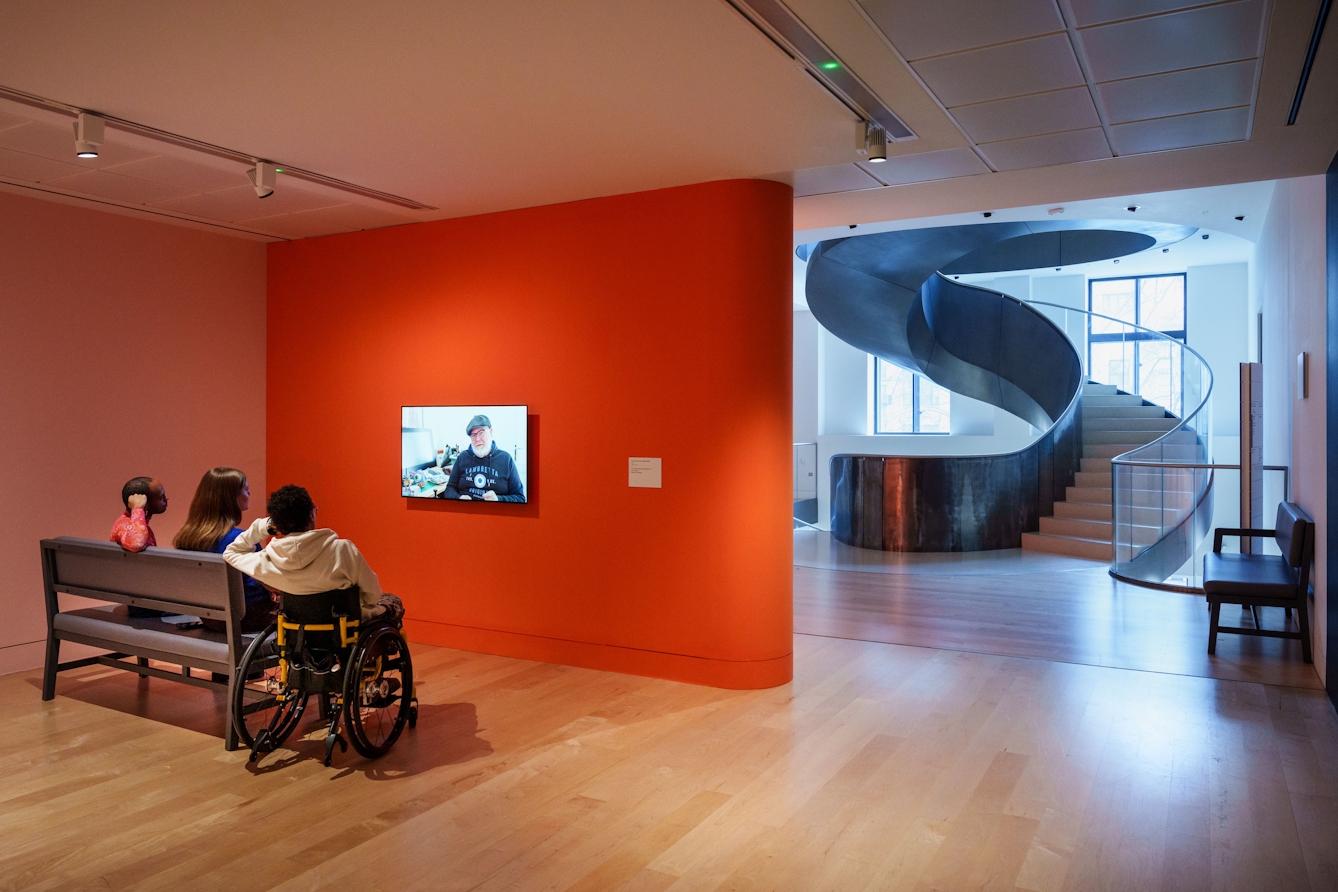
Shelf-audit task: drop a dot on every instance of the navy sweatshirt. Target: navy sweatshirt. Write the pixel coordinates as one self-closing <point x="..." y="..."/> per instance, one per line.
<point x="473" y="476"/>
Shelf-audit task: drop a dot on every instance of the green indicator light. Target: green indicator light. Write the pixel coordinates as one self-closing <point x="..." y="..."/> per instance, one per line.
<point x="830" y="66"/>
<point x="278" y="170"/>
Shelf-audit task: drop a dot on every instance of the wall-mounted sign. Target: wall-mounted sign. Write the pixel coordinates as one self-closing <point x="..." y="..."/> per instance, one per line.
<point x="643" y="472"/>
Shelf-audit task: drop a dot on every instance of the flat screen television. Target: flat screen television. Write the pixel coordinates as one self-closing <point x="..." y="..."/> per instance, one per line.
<point x="469" y="453"/>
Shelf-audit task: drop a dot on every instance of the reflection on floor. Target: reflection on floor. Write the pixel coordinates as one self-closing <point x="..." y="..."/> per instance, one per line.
<point x="879" y="767"/>
<point x="816" y="549"/>
<point x="1026" y="604"/>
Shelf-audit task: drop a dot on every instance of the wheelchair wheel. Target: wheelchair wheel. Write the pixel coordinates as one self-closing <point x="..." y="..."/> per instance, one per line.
<point x="255" y="699"/>
<point x="378" y="690"/>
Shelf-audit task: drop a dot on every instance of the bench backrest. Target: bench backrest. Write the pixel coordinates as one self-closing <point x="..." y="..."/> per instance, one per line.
<point x="190" y="582"/>
<point x="1295" y="533"/>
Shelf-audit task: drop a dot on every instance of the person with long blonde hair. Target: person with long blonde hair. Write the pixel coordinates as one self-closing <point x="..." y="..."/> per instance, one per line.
<point x="213" y="522"/>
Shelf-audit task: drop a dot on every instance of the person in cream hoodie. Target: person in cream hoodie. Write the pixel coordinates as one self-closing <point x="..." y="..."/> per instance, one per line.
<point x="303" y="560"/>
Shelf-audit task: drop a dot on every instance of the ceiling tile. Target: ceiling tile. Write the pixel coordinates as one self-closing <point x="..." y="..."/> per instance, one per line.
<point x="123" y="190"/>
<point x="1044" y="151"/>
<point x="300" y="225"/>
<point x="1028" y="115"/>
<point x="925" y="166"/>
<point x="1178" y="92"/>
<point x="8" y="120"/>
<point x="917" y="27"/>
<point x="57" y="143"/>
<point x="1095" y="12"/>
<point x="358" y="216"/>
<point x="241" y="203"/>
<point x="182" y="174"/>
<point x="837" y="178"/>
<point x="1207" y="36"/>
<point x="1182" y="131"/>
<point x="31" y="169"/>
<point x="997" y="72"/>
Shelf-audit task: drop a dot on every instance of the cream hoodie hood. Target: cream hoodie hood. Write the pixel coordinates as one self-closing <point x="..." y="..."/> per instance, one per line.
<point x="305" y="564"/>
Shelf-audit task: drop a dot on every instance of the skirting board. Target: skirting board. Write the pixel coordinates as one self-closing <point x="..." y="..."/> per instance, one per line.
<point x="734" y="674"/>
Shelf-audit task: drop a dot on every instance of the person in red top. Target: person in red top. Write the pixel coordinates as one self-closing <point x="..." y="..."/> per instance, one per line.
<point x="143" y="498"/>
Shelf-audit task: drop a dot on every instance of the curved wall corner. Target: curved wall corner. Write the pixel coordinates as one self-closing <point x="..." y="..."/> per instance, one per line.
<point x="652" y="324"/>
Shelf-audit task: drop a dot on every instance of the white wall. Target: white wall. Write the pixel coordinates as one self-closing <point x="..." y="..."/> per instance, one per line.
<point x="806" y="332"/>
<point x="1217" y="325"/>
<point x="1289" y="285"/>
<point x="843" y="388"/>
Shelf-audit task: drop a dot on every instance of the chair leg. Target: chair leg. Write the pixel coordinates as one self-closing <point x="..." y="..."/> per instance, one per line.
<point x="1303" y="620"/>
<point x="1254" y="615"/>
<point x="1214" y="610"/>
<point x="230" y="739"/>
<point x="52" y="661"/>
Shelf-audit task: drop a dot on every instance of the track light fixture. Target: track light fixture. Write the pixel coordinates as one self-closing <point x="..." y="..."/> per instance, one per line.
<point x="870" y="141"/>
<point x="262" y="178"/>
<point x="89" y="131"/>
<point x="877" y="145"/>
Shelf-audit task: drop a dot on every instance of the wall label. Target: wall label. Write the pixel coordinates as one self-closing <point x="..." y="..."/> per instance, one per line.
<point x="644" y="472"/>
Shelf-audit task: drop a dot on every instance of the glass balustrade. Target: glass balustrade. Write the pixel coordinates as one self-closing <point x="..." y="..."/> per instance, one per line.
<point x="1161" y="479"/>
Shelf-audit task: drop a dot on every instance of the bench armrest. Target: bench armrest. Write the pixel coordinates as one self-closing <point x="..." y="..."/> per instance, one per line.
<point x="1241" y="531"/>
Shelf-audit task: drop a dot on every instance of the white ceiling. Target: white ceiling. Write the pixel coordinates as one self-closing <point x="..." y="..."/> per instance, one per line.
<point x="471" y="108"/>
<point x="1212" y="211"/>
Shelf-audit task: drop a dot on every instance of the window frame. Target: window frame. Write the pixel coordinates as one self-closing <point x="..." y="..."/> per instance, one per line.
<point x="1182" y="334"/>
<point x="915" y="403"/>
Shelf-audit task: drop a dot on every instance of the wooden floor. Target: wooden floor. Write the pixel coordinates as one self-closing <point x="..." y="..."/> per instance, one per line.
<point x="880" y="767"/>
<point x="1078" y="614"/>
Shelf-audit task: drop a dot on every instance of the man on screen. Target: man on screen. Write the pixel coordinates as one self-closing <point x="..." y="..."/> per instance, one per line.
<point x="484" y="472"/>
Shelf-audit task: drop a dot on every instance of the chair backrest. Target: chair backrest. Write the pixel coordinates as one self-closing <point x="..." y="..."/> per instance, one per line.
<point x="190" y="582"/>
<point x="322" y="607"/>
<point x="1295" y="531"/>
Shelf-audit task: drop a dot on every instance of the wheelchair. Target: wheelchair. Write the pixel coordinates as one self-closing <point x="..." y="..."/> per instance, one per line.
<point x="361" y="675"/>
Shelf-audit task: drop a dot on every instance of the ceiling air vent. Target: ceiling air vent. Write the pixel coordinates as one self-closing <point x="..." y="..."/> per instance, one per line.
<point x="785" y="29"/>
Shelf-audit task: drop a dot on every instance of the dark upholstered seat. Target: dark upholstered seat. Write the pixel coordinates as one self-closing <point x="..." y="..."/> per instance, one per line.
<point x="1247" y="575"/>
<point x="1263" y="580"/>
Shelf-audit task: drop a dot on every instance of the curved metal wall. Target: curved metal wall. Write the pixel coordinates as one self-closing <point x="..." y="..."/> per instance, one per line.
<point x="888" y="294"/>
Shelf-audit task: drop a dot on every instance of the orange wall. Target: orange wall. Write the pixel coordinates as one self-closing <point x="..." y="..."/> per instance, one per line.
<point x="129" y="347"/>
<point x="653" y="324"/>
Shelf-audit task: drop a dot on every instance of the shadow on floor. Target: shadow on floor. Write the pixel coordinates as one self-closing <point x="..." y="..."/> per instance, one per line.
<point x="447" y="733"/>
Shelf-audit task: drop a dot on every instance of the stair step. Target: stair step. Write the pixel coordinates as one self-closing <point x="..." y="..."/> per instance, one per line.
<point x="1122" y="412"/>
<point x="1088" y="511"/>
<point x="1121" y="399"/>
<point x="1096" y="465"/>
<point x="1093" y="479"/>
<point x="1170" y="452"/>
<point x="1109" y="423"/>
<point x="1095" y="495"/>
<point x="1084" y="548"/>
<point x="1078" y="528"/>
<point x="1092" y="389"/>
<point x="1132" y="438"/>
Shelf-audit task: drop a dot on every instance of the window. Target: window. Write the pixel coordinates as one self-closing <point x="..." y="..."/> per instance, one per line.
<point x="1136" y="361"/>
<point x="905" y="403"/>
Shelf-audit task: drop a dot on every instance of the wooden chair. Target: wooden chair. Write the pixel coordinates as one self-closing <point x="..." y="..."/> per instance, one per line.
<point x="1263" y="580"/>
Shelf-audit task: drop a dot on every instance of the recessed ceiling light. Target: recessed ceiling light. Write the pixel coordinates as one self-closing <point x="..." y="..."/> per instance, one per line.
<point x="989" y="213"/>
<point x="1205" y="235"/>
<point x="1054" y="211"/>
<point x="1166" y="250"/>
<point x="1133" y="207"/>
<point x="1240" y="218"/>
<point x="1117" y="261"/>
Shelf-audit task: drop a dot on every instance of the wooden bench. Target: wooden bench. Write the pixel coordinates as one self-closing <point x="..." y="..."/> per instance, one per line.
<point x="188" y="582"/>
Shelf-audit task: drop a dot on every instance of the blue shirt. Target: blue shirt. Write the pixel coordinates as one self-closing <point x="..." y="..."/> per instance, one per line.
<point x="253" y="590"/>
